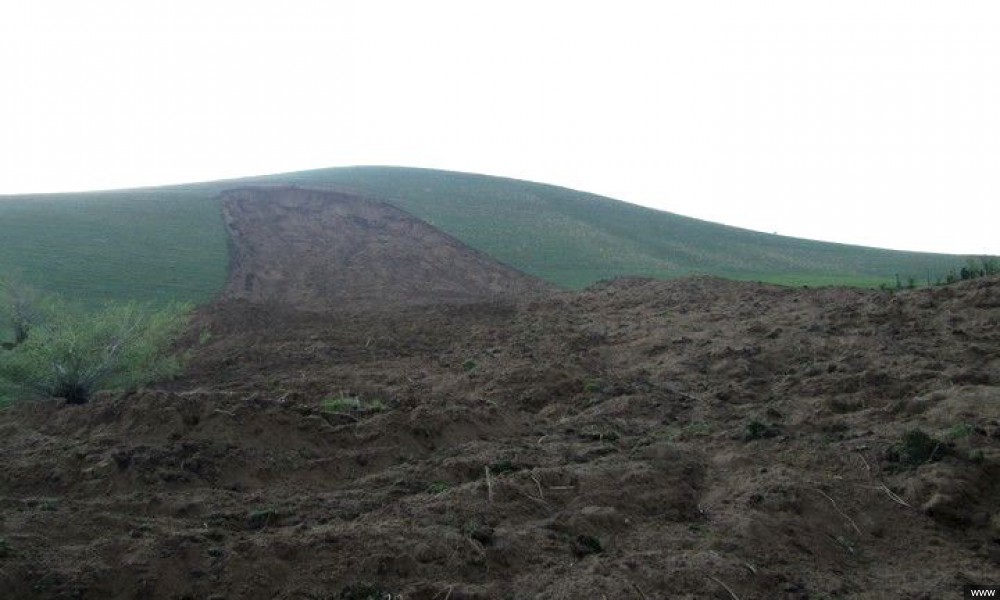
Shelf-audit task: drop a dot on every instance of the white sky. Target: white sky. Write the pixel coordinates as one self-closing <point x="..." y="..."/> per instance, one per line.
<point x="874" y="122"/>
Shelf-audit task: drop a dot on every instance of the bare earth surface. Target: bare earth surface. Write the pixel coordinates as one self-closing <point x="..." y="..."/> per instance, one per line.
<point x="689" y="439"/>
<point x="327" y="250"/>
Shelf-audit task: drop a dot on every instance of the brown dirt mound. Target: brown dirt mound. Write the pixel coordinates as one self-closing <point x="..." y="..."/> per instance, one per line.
<point x="643" y="439"/>
<point x="321" y="250"/>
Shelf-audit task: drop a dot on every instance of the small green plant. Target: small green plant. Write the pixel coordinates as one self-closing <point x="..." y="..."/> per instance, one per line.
<point x="586" y="544"/>
<point x="917" y="448"/>
<point x="353" y="404"/>
<point x="698" y="428"/>
<point x="503" y="466"/>
<point x="673" y="433"/>
<point x="469" y="365"/>
<point x="593" y="386"/>
<point x="595" y="434"/>
<point x="437" y="487"/>
<point x="260" y="519"/>
<point x="478" y="530"/>
<point x="962" y="430"/>
<point x="757" y="430"/>
<point x="342" y="404"/>
<point x="670" y="433"/>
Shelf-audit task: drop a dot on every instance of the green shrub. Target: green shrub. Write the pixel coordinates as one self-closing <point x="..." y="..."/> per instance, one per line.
<point x="962" y="430"/>
<point x="986" y="266"/>
<point x="757" y="430"/>
<point x="586" y="544"/>
<point x="438" y="487"/>
<point x="477" y="529"/>
<point x="504" y="466"/>
<point x="72" y="354"/>
<point x="260" y="519"/>
<point x="917" y="448"/>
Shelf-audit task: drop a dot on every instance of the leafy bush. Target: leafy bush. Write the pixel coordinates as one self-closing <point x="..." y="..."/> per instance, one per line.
<point x="71" y="354"/>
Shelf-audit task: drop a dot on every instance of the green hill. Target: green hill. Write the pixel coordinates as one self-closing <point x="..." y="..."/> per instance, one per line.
<point x="154" y="244"/>
<point x="147" y="245"/>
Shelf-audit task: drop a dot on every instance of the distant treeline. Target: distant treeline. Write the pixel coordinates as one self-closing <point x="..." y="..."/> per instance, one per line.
<point x="974" y="268"/>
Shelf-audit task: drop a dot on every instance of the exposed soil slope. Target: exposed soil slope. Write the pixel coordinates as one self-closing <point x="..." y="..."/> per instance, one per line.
<point x="643" y="439"/>
<point x="326" y="250"/>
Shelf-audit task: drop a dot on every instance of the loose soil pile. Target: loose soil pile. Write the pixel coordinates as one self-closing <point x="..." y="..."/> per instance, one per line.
<point x="687" y="439"/>
<point x="323" y="250"/>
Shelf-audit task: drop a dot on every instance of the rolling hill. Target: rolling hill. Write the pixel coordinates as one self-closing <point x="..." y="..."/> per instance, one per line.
<point x="155" y="244"/>
<point x="377" y="408"/>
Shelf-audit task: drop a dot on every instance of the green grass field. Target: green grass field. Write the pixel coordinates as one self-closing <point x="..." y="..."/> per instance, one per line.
<point x="158" y="244"/>
<point x="150" y="246"/>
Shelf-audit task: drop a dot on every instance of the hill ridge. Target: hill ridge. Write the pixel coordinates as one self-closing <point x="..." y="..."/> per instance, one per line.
<point x="158" y="244"/>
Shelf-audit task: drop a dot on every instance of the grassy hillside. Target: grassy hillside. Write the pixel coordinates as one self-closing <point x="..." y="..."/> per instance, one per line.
<point x="161" y="243"/>
<point x="574" y="238"/>
<point x="149" y="245"/>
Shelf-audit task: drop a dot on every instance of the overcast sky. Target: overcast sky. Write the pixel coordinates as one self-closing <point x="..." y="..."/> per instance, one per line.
<point x="874" y="122"/>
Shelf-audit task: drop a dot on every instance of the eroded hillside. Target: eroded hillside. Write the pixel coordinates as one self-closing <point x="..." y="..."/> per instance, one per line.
<point x="688" y="439"/>
<point x="321" y="250"/>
